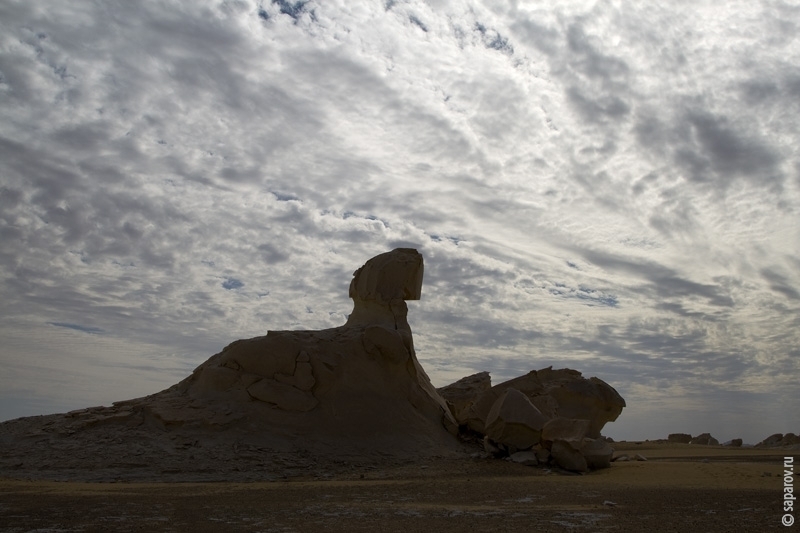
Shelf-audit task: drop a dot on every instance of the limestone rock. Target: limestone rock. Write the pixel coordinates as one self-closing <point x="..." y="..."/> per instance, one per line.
<point x="527" y="458"/>
<point x="568" y="456"/>
<point x="282" y="395"/>
<point x="772" y="440"/>
<point x="555" y="393"/>
<point x="680" y="438"/>
<point x="462" y="394"/>
<point x="542" y="454"/>
<point x="705" y="439"/>
<point x="597" y="453"/>
<point x="514" y="421"/>
<point x="489" y="447"/>
<point x="564" y="429"/>
<point x="354" y="390"/>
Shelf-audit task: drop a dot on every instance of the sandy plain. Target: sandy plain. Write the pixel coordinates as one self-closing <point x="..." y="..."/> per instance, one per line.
<point x="679" y="488"/>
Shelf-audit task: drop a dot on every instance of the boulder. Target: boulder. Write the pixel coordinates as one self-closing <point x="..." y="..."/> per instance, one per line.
<point x="527" y="458"/>
<point x="514" y="421"/>
<point x="555" y="393"/>
<point x="568" y="456"/>
<point x="705" y="439"/>
<point x="680" y="438"/>
<point x="772" y="440"/>
<point x="462" y="395"/>
<point x="565" y="429"/>
<point x="790" y="439"/>
<point x="733" y="443"/>
<point x="597" y="453"/>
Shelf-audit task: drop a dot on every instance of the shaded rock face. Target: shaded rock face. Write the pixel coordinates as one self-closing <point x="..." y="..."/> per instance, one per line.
<point x="537" y="410"/>
<point x="779" y="440"/>
<point x="704" y="439"/>
<point x="357" y="383"/>
<point x="352" y="391"/>
<point x="564" y="393"/>
<point x="679" y="438"/>
<point x="298" y="402"/>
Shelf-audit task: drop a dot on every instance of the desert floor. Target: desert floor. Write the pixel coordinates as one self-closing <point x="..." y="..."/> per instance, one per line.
<point x="679" y="488"/>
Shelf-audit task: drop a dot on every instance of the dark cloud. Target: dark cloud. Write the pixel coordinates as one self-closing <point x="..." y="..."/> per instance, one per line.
<point x="722" y="150"/>
<point x="77" y="327"/>
<point x="780" y="284"/>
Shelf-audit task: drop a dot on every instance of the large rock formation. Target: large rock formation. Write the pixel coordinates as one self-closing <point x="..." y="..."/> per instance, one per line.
<point x="356" y="384"/>
<point x="303" y="402"/>
<point x="284" y="402"/>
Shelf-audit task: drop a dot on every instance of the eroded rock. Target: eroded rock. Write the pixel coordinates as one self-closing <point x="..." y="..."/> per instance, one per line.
<point x="514" y="421"/>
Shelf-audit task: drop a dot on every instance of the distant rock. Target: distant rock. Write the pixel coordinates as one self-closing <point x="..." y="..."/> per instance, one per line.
<point x="680" y="438"/>
<point x="733" y="443"/>
<point x="705" y="439"/>
<point x="772" y="440"/>
<point x="779" y="440"/>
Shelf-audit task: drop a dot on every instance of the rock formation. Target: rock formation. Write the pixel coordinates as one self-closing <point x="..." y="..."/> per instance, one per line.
<point x="705" y="439"/>
<point x="779" y="440"/>
<point x="679" y="438"/>
<point x="301" y="398"/>
<point x="303" y="402"/>
<point x="556" y="411"/>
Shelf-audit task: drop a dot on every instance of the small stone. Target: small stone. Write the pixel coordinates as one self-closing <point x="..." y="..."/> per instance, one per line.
<point x="527" y="458"/>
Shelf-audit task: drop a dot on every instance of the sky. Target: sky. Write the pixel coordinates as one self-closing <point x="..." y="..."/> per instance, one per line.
<point x="610" y="186"/>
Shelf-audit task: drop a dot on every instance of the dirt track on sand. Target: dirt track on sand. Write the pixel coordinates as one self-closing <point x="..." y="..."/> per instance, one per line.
<point x="681" y="488"/>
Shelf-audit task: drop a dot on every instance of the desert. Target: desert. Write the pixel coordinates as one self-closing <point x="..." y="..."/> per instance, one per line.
<point x="681" y="487"/>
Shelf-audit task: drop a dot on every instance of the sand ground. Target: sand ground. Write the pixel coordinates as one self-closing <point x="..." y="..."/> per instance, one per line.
<point x="680" y="488"/>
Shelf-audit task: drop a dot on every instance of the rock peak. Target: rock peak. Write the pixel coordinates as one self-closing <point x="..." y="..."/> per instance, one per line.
<point x="380" y="287"/>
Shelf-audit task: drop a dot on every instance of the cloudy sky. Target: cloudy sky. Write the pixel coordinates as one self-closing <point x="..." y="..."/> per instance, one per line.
<point x="611" y="186"/>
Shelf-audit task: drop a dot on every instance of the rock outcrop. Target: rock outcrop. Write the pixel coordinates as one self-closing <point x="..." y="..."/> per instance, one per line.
<point x="705" y="439"/>
<point x="302" y="402"/>
<point x="679" y="438"/>
<point x="556" y="411"/>
<point x="296" y="397"/>
<point x="779" y="440"/>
